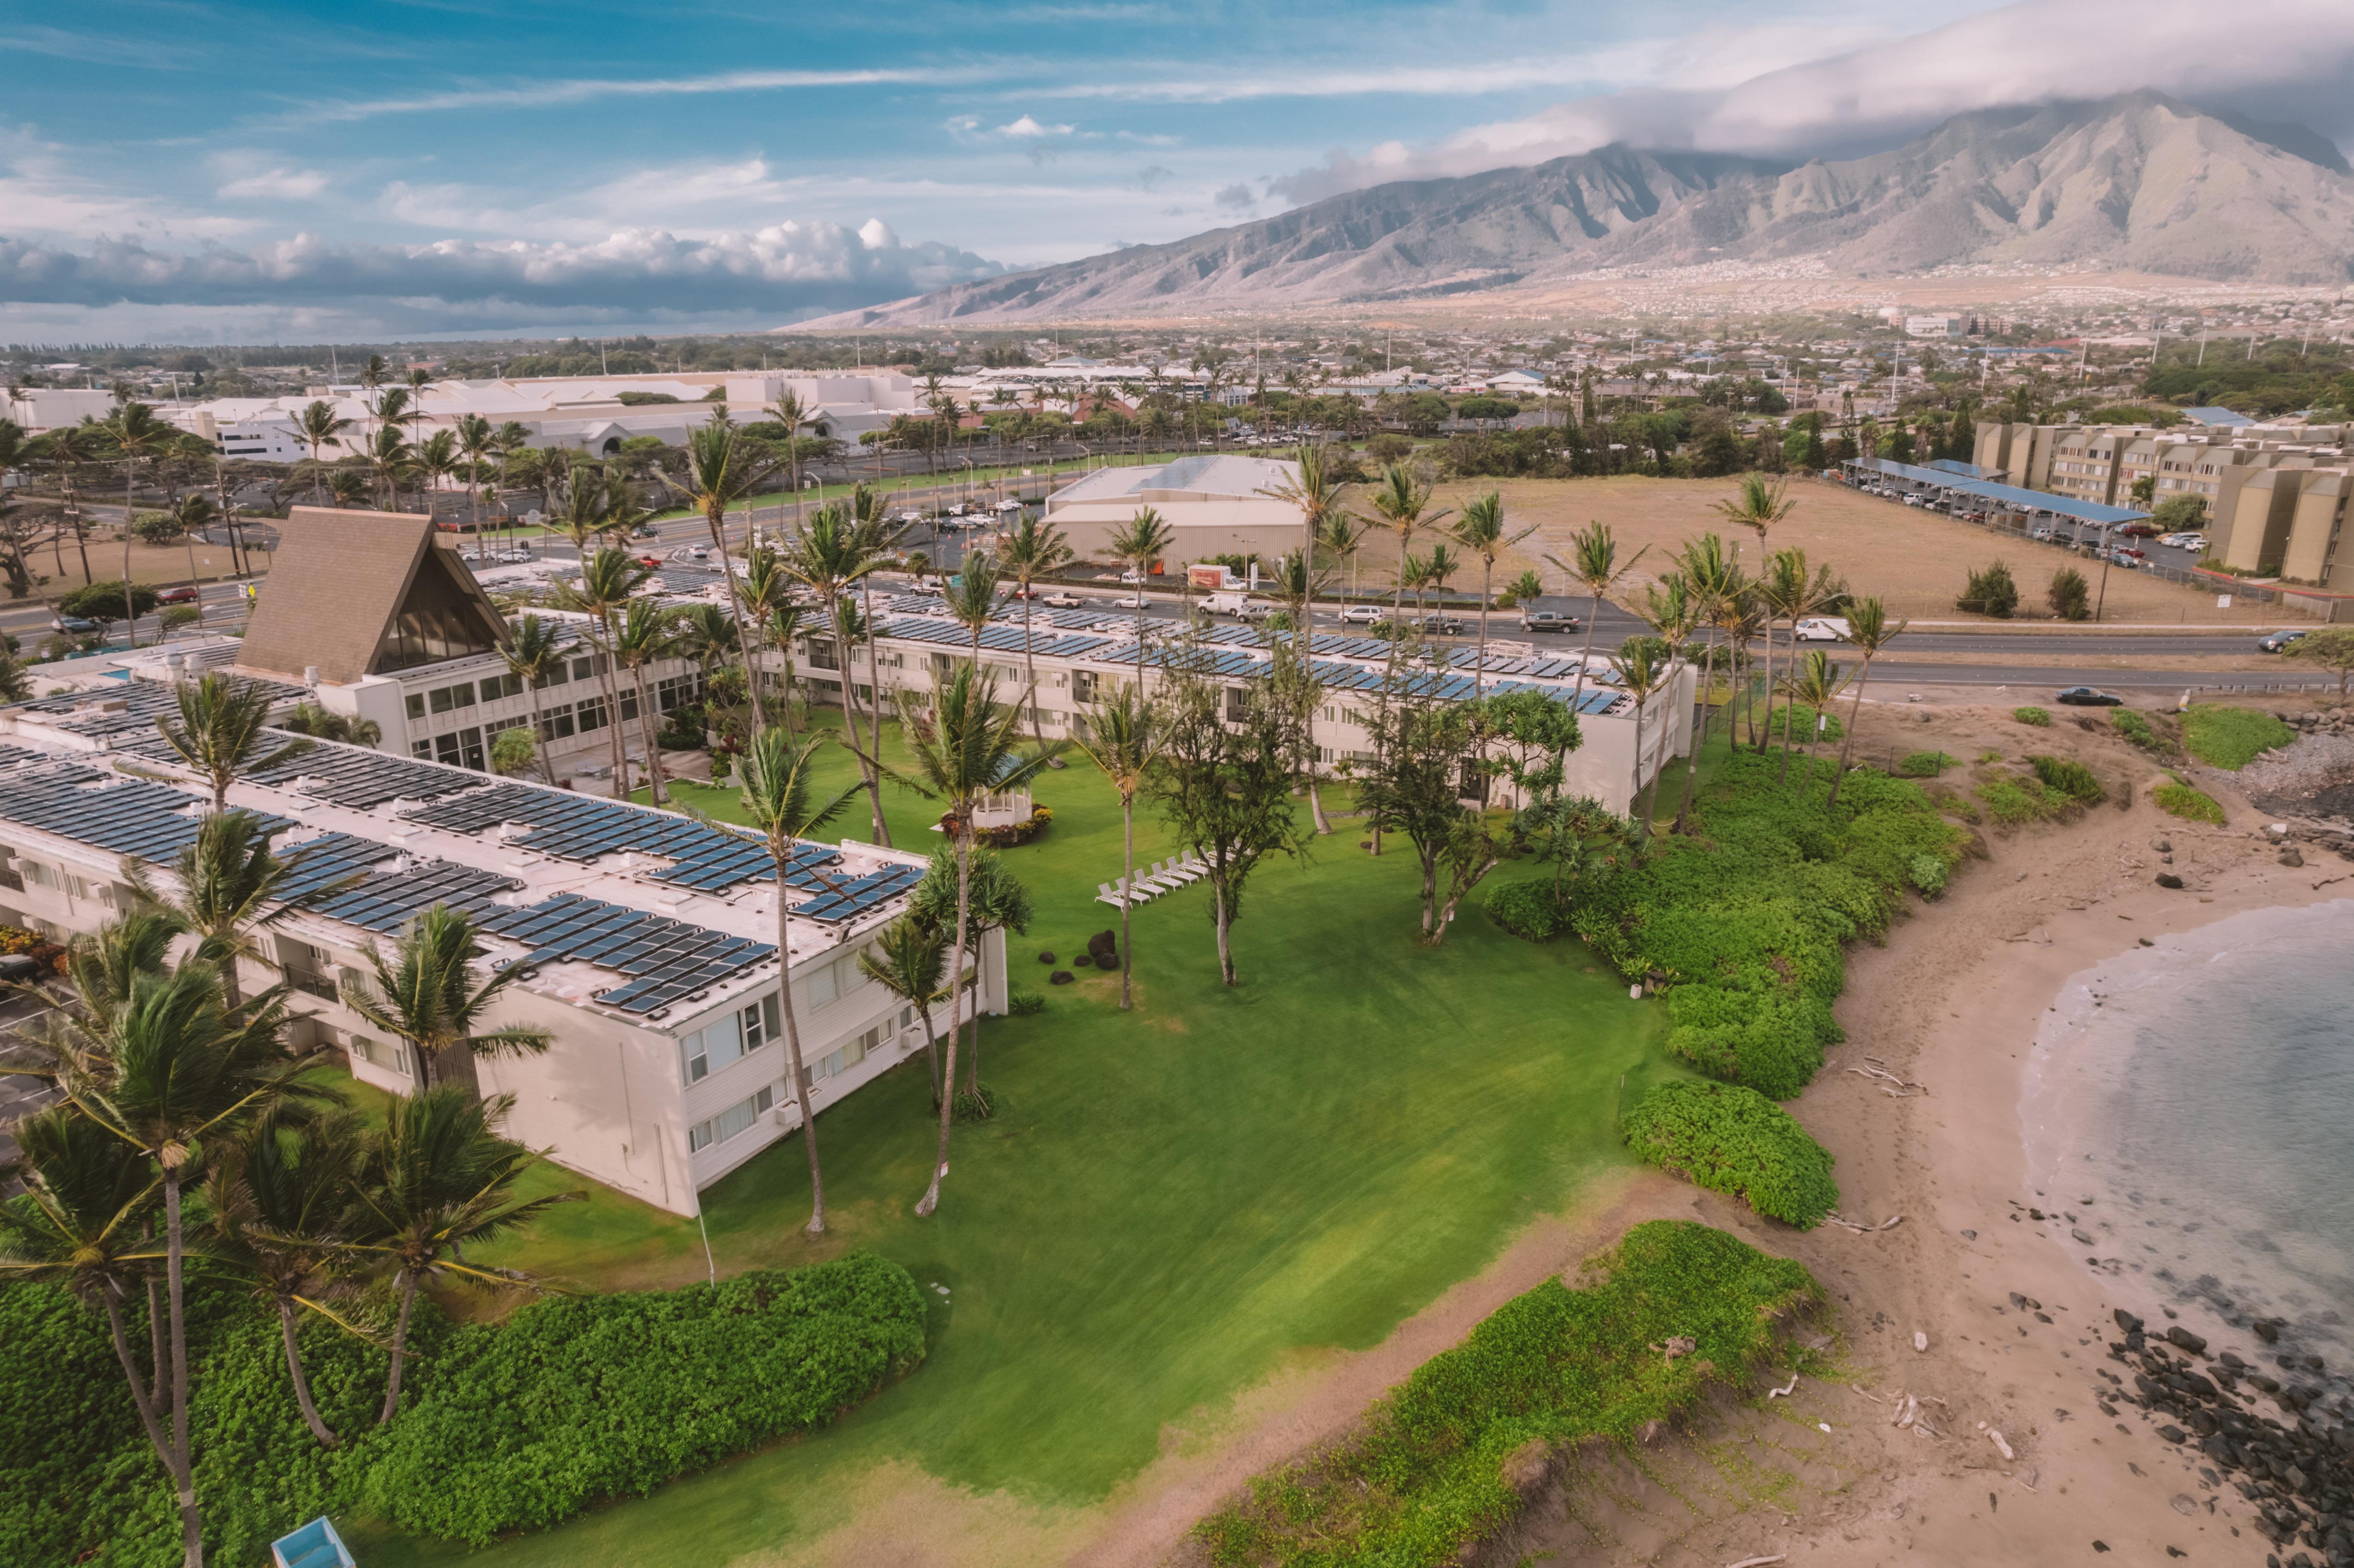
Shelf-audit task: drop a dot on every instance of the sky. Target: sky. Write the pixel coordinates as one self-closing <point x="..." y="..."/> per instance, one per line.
<point x="191" y="171"/>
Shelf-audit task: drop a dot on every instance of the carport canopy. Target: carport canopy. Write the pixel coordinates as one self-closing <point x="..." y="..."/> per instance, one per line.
<point x="2010" y="497"/>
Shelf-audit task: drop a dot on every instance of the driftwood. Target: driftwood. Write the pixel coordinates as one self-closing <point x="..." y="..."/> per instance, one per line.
<point x="1999" y="1445"/>
<point x="1783" y="1391"/>
<point x="1759" y="1562"/>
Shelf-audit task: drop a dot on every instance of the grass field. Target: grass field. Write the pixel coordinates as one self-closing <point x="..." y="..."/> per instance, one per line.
<point x="1174" y="1206"/>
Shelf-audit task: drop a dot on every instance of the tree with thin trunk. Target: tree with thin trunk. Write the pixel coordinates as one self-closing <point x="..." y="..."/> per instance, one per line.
<point x="971" y="596"/>
<point x="790" y="411"/>
<point x="1671" y="612"/>
<point x="720" y="467"/>
<point x="1031" y="550"/>
<point x="279" y="1204"/>
<point x="1482" y="530"/>
<point x="137" y="436"/>
<point x="1143" y="539"/>
<point x="1713" y="584"/>
<point x="1401" y="502"/>
<point x="534" y="653"/>
<point x="911" y="959"/>
<point x="388" y="456"/>
<point x="1343" y="537"/>
<point x="320" y="426"/>
<point x="964" y="749"/>
<point x="477" y="440"/>
<point x="436" y="1179"/>
<point x="232" y="886"/>
<point x="1760" y="504"/>
<point x="1816" y="682"/>
<point x="1640" y="676"/>
<point x="782" y="801"/>
<point x="646" y="635"/>
<point x="609" y="580"/>
<point x="1868" y="629"/>
<point x="995" y="900"/>
<point x="425" y="993"/>
<point x="1121" y="735"/>
<point x="1790" y="594"/>
<point x="1311" y="488"/>
<point x="1594" y="565"/>
<point x="831" y="557"/>
<point x="220" y="729"/>
<point x="1294" y="686"/>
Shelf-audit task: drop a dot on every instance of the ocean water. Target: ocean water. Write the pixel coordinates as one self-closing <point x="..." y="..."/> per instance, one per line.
<point x="2190" y="1117"/>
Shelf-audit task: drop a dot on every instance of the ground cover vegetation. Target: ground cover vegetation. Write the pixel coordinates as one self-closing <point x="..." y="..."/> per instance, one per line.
<point x="2186" y="800"/>
<point x="1431" y="1471"/>
<point x="2232" y="737"/>
<point x="1734" y="1141"/>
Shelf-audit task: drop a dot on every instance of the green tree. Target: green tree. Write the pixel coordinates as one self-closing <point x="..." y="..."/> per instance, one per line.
<point x="971" y="595"/>
<point x="1482" y="531"/>
<point x="320" y="426"/>
<point x="609" y="580"/>
<point x="514" y="750"/>
<point x="220" y="728"/>
<point x="644" y="636"/>
<point x="1401" y="502"/>
<point x="831" y="557"/>
<point x="1594" y="566"/>
<point x="321" y="723"/>
<point x="137" y="436"/>
<point x="1789" y="593"/>
<point x="1991" y="591"/>
<point x="232" y="886"/>
<point x="1869" y="630"/>
<point x="995" y="900"/>
<point x="1816" y="682"/>
<point x="105" y="603"/>
<point x="721" y="467"/>
<point x="1641" y="675"/>
<point x="425" y="993"/>
<point x="534" y="653"/>
<point x="1143" y="539"/>
<point x="2331" y="648"/>
<point x="781" y="801"/>
<point x="911" y="959"/>
<point x="2070" y="595"/>
<point x="1761" y="504"/>
<point x="1119" y="733"/>
<point x="1032" y="549"/>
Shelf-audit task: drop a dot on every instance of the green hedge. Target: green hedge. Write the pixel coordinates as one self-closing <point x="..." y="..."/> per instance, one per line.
<point x="1527" y="909"/>
<point x="1770" y="1038"/>
<point x="2040" y="717"/>
<point x="2232" y="737"/>
<point x="2073" y="780"/>
<point x="1736" y="1140"/>
<point x="502" y="1427"/>
<point x="2193" y="805"/>
<point x="1423" y="1478"/>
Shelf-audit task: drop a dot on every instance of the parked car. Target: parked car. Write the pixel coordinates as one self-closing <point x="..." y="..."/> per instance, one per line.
<point x="2184" y="541"/>
<point x="2138" y="531"/>
<point x="1133" y="576"/>
<point x="178" y="596"/>
<point x="2278" y="642"/>
<point x="2045" y="536"/>
<point x="1361" y="615"/>
<point x="1820" y="628"/>
<point x="645" y="531"/>
<point x="2129" y="551"/>
<point x="2088" y="698"/>
<point x="1061" y="598"/>
<point x="1437" y="625"/>
<point x="1549" y="620"/>
<point x="649" y="562"/>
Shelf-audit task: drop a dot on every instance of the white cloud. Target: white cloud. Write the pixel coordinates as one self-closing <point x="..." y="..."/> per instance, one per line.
<point x="275" y="185"/>
<point x="583" y="90"/>
<point x="1028" y="129"/>
<point x="1236" y="197"/>
<point x="44" y="191"/>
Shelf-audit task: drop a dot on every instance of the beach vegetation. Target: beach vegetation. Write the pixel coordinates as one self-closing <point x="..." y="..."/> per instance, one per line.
<point x="2073" y="780"/>
<point x="1926" y="764"/>
<point x="2040" y="717"/>
<point x="2231" y="737"/>
<point x="1734" y="1141"/>
<point x="1991" y="591"/>
<point x="1431" y="1469"/>
<point x="1803" y="720"/>
<point x="2013" y="800"/>
<point x="2181" y="799"/>
<point x="1928" y="873"/>
<point x="2136" y="728"/>
<point x="2332" y="648"/>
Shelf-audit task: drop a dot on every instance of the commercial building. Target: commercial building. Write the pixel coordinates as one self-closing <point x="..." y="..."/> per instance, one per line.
<point x="36" y="410"/>
<point x="1215" y="504"/>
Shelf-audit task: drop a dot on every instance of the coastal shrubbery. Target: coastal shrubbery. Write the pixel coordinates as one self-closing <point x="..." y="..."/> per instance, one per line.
<point x="502" y="1427"/>
<point x="2073" y="780"/>
<point x="2135" y="728"/>
<point x="1926" y="764"/>
<point x="2040" y="717"/>
<point x="2191" y="804"/>
<point x="1734" y="1141"/>
<point x="1803" y="721"/>
<point x="2013" y="800"/>
<point x="2232" y="737"/>
<point x="1434" y="1468"/>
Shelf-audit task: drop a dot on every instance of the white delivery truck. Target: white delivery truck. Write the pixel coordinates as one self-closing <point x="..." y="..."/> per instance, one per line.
<point x="1226" y="603"/>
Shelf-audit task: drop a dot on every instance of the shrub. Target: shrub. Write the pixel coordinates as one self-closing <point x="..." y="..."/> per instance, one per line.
<point x="2133" y="727"/>
<point x="1023" y="1003"/>
<point x="2040" y="717"/>
<point x="2069" y="597"/>
<point x="1736" y="1140"/>
<point x="2012" y="800"/>
<point x="2193" y="805"/>
<point x="2232" y="737"/>
<point x="2073" y="779"/>
<point x="1990" y="592"/>
<point x="1927" y="873"/>
<point x="1421" y="1479"/>
<point x="1926" y="764"/>
<point x="1769" y="1038"/>
<point x="1802" y="720"/>
<point x="1526" y="909"/>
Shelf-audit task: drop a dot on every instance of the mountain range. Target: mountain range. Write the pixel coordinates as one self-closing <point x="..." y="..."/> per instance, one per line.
<point x="2138" y="183"/>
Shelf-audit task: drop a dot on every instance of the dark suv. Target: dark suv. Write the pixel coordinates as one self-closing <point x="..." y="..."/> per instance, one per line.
<point x="1549" y="620"/>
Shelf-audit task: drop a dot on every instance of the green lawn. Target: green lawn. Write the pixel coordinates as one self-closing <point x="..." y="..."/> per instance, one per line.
<point x="1175" y="1204"/>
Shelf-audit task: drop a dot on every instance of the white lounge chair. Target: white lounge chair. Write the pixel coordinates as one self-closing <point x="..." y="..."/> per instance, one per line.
<point x="1106" y="894"/>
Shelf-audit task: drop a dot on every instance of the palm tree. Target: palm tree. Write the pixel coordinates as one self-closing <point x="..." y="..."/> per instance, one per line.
<point x="1482" y="530"/>
<point x="232" y="886"/>
<point x="720" y="467"/>
<point x="1402" y="505"/>
<point x="1790" y="594"/>
<point x="223" y="730"/>
<point x="436" y="1180"/>
<point x="137" y="435"/>
<point x="831" y="558"/>
<point x="1313" y="491"/>
<point x="533" y="651"/>
<point x="1143" y="540"/>
<point x="477" y="441"/>
<point x="1711" y="580"/>
<point x="425" y="993"/>
<point x="1641" y="675"/>
<point x="780" y="801"/>
<point x="1593" y="564"/>
<point x="1342" y="537"/>
<point x="279" y="1216"/>
<point x="1868" y="629"/>
<point x="1759" y="506"/>
<point x="908" y="959"/>
<point x="607" y="580"/>
<point x="321" y="723"/>
<point x="972" y="595"/>
<point x="1120" y="733"/>
<point x="1673" y="615"/>
<point x="1816" y="682"/>
<point x="1031" y="550"/>
<point x="437" y="459"/>
<point x="320" y="426"/>
<point x="790" y="411"/>
<point x="347" y="487"/>
<point x="645" y="635"/>
<point x="585" y="515"/>
<point x="388" y="453"/>
<point x="964" y="749"/>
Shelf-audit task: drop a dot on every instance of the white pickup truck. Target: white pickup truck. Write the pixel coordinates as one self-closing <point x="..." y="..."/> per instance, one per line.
<point x="1237" y="604"/>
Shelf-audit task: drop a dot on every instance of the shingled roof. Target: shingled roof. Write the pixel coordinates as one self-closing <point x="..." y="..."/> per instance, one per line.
<point x="354" y="594"/>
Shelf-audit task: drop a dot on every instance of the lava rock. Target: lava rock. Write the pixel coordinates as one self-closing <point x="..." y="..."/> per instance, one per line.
<point x="2168" y="879"/>
<point x="1081" y="961"/>
<point x="1061" y="977"/>
<point x="1046" y="957"/>
<point x="2128" y="1321"/>
<point x="2290" y="857"/>
<point x="2178" y="1335"/>
<point x="1103" y="942"/>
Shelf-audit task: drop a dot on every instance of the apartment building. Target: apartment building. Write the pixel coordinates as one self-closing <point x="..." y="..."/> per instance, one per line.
<point x="646" y="940"/>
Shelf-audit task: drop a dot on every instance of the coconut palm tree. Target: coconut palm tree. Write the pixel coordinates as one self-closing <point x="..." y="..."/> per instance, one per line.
<point x="1790" y="594"/>
<point x="280" y="1214"/>
<point x="607" y="580"/>
<point x="1482" y="530"/>
<point x="322" y="724"/>
<point x="1817" y="681"/>
<point x="137" y="436"/>
<point x="1710" y="578"/>
<point x="437" y="458"/>
<point x="1641" y="675"/>
<point x="1401" y="503"/>
<point x="645" y="635"/>
<point x="586" y="517"/>
<point x="720" y="467"/>
<point x="909" y="959"/>
<point x="783" y="802"/>
<point x="232" y="887"/>
<point x="1312" y="489"/>
<point x="1673" y="615"/>
<point x="222" y="729"/>
<point x="1868" y="629"/>
<point x="435" y="1180"/>
<point x="1343" y="537"/>
<point x="790" y="411"/>
<point x="347" y="487"/>
<point x="832" y="556"/>
<point x="1120" y="733"/>
<point x="1141" y="541"/>
<point x="1031" y="550"/>
<point x="534" y="653"/>
<point x="388" y="454"/>
<point x="972" y="595"/>
<point x="964" y="748"/>
<point x="1760" y="504"/>
<point x="425" y="993"/>
<point x="477" y="441"/>
<point x="1593" y="564"/>
<point x="320" y="426"/>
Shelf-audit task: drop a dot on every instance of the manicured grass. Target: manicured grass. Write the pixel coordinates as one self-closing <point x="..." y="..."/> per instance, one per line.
<point x="1173" y="1205"/>
<point x="2232" y="737"/>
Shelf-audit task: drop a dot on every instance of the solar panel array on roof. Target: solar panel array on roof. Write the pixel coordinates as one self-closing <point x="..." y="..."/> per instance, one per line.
<point x="666" y="961"/>
<point x="582" y="828"/>
<point x="329" y="859"/>
<point x="126" y="707"/>
<point x="387" y="900"/>
<point x="18" y="756"/>
<point x="993" y="639"/>
<point x="356" y="777"/>
<point x="124" y="816"/>
<point x="849" y="900"/>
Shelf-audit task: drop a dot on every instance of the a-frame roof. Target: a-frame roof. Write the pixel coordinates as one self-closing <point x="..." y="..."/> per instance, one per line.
<point x="354" y="594"/>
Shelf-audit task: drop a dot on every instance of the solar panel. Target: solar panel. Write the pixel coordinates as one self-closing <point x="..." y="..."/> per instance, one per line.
<point x="387" y="900"/>
<point x="328" y="859"/>
<point x="356" y="777"/>
<point x="583" y="827"/>
<point x="128" y="706"/>
<point x="19" y="756"/>
<point x="123" y="816"/>
<point x="663" y="960"/>
<point x="849" y="899"/>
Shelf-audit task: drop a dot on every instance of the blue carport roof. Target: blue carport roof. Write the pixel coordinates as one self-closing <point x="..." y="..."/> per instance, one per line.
<point x="2009" y="494"/>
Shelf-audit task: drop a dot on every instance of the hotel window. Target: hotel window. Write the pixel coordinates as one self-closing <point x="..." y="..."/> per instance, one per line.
<point x="821" y="654"/>
<point x="837" y="979"/>
<point x="559" y="675"/>
<point x="849" y="1056"/>
<point x="1083" y="685"/>
<point x="39" y="875"/>
<point x="589" y="713"/>
<point x="417" y="704"/>
<point x="712" y="1047"/>
<point x="422" y="749"/>
<point x="736" y="1119"/>
<point x="445" y="699"/>
<point x="556" y="723"/>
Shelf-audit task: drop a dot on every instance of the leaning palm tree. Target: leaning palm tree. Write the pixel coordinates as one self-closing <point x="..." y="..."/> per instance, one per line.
<point x="425" y="994"/>
<point x="318" y="426"/>
<point x="909" y="959"/>
<point x="533" y="651"/>
<point x="1342" y="538"/>
<point x="1141" y="541"/>
<point x="1401" y="502"/>
<point x="1311" y="488"/>
<point x="1759" y="505"/>
<point x="972" y="595"/>
<point x="436" y="1180"/>
<point x="644" y="636"/>
<point x="964" y="748"/>
<point x="1868" y="629"/>
<point x="1593" y="563"/>
<point x="607" y="580"/>
<point x="1641" y="675"/>
<point x="437" y="458"/>
<point x="388" y="456"/>
<point x="782" y="801"/>
<point x="1789" y="593"/>
<point x="222" y="730"/>
<point x="1711" y="580"/>
<point x="831" y="557"/>
<point x="721" y="468"/>
<point x="476" y="439"/>
<point x="790" y="411"/>
<point x="1120" y="733"/>
<point x="232" y="887"/>
<point x="348" y="487"/>
<point x="1031" y="550"/>
<point x="1482" y="530"/>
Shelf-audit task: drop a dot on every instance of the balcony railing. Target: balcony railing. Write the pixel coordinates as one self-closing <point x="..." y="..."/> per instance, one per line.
<point x="313" y="983"/>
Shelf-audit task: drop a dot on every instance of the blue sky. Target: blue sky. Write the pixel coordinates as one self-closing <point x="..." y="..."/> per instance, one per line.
<point x="201" y="170"/>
